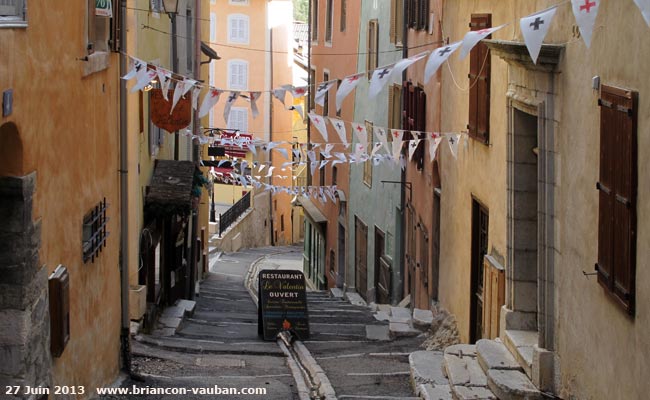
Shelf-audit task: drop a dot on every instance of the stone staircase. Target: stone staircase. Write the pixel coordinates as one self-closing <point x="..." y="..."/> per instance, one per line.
<point x="485" y="371"/>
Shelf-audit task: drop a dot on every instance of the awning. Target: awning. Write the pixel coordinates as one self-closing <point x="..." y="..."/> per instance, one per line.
<point x="171" y="186"/>
<point x="311" y="210"/>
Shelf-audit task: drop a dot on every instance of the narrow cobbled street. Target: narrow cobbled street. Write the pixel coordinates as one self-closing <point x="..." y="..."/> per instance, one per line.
<point x="216" y="343"/>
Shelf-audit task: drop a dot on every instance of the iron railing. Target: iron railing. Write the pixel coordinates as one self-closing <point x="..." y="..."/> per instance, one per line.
<point x="226" y="219"/>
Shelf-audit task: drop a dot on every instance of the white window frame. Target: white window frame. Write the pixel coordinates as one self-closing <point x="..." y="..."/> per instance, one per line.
<point x="237" y="85"/>
<point x="239" y="124"/>
<point x="245" y="38"/>
<point x="238" y="2"/>
<point x="17" y="19"/>
<point x="213" y="27"/>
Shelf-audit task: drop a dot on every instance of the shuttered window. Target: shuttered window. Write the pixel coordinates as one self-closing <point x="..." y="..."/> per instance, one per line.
<point x="238" y="28"/>
<point x="156" y="6"/>
<point x="12" y="13"/>
<point x="314" y="20"/>
<point x="344" y="15"/>
<point x="372" y="59"/>
<point x="418" y="14"/>
<point x="329" y="20"/>
<point x="394" y="106"/>
<point x="414" y="119"/>
<point x="238" y="74"/>
<point x="617" y="189"/>
<point x="396" y="21"/>
<point x="213" y="27"/>
<point x="479" y="80"/>
<point x="238" y="119"/>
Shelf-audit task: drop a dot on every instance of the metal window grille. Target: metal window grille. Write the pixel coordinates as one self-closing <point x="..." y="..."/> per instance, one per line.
<point x="94" y="232"/>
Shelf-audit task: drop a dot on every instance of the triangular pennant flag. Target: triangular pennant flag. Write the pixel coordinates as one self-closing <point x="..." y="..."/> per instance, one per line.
<point x="339" y="127"/>
<point x="313" y="166"/>
<point x="284" y="152"/>
<point x="376" y="148"/>
<point x="262" y="166"/>
<point x="453" y="140"/>
<point x="434" y="142"/>
<point x="252" y="148"/>
<point x="322" y="164"/>
<point x="397" y="149"/>
<point x="347" y="85"/>
<point x="585" y="12"/>
<point x="137" y="66"/>
<point x="232" y="98"/>
<point x="297" y="108"/>
<point x="145" y="75"/>
<point x="321" y="91"/>
<point x="253" y="99"/>
<point x="437" y="58"/>
<point x="270" y="173"/>
<point x="644" y="6"/>
<point x="473" y="37"/>
<point x="280" y="94"/>
<point x="164" y="86"/>
<point x="341" y="157"/>
<point x="210" y="100"/>
<point x="181" y="88"/>
<point x="195" y="97"/>
<point x="326" y="152"/>
<point x="397" y="134"/>
<point x="311" y="154"/>
<point x="382" y="136"/>
<point x="319" y="123"/>
<point x="413" y="145"/>
<point x="360" y="131"/>
<point x="164" y="76"/>
<point x="380" y="77"/>
<point x="359" y="151"/>
<point x="298" y="92"/>
<point x="401" y="65"/>
<point x="534" y="28"/>
<point x="296" y="154"/>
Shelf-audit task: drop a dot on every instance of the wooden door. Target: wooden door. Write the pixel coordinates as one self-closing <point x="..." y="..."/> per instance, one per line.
<point x="382" y="270"/>
<point x="479" y="249"/>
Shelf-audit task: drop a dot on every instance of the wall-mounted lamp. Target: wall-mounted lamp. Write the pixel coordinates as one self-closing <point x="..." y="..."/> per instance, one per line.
<point x="171" y="7"/>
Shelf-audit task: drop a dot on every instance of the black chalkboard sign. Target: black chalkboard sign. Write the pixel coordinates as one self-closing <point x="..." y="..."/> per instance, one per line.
<point x="282" y="304"/>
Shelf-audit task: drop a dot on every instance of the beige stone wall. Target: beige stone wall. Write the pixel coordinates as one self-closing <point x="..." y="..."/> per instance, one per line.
<point x="68" y="124"/>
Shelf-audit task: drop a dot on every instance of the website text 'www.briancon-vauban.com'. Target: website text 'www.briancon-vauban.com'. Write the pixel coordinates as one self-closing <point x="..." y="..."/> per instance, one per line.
<point x="176" y="391"/>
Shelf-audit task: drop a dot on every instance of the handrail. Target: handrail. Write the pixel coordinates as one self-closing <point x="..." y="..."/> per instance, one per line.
<point x="226" y="219"/>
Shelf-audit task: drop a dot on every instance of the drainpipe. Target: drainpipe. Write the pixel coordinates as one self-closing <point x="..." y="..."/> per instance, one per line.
<point x="271" y="135"/>
<point x="195" y="145"/>
<point x="175" y="70"/>
<point x="402" y="251"/>
<point x="124" y="201"/>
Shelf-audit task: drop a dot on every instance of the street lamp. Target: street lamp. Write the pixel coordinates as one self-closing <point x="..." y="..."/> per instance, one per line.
<point x="171" y="7"/>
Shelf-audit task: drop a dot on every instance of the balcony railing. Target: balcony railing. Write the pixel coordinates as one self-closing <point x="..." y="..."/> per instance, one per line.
<point x="230" y="216"/>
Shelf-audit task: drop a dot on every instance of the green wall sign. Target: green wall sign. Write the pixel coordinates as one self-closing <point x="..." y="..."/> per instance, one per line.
<point x="104" y="8"/>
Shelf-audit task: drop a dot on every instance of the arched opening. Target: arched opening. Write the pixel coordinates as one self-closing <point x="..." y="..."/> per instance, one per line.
<point x="11" y="150"/>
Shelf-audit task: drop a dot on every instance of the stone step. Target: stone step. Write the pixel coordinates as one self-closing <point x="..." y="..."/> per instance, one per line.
<point x="521" y="344"/>
<point x="494" y="355"/>
<point x="427" y="367"/>
<point x="466" y="378"/>
<point x="512" y="385"/>
<point x="428" y="391"/>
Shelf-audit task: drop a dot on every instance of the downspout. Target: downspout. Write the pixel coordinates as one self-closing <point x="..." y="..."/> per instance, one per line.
<point x="402" y="250"/>
<point x="195" y="146"/>
<point x="124" y="200"/>
<point x="309" y="83"/>
<point x="271" y="137"/>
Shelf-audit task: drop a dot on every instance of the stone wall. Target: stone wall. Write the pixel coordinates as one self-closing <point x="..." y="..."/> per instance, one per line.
<point x="251" y="230"/>
<point x="24" y="309"/>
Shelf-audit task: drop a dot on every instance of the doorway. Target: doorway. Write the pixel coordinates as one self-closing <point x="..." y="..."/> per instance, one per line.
<point x="480" y="221"/>
<point x="382" y="269"/>
<point x="361" y="257"/>
<point x="340" y="279"/>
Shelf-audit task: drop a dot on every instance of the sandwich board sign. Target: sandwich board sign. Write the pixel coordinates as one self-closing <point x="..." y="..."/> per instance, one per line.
<point x="282" y="304"/>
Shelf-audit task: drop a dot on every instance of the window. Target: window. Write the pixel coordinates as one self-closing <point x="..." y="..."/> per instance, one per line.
<point x="418" y="14"/>
<point x="344" y="15"/>
<point x="238" y="28"/>
<point x="13" y="13"/>
<point x="394" y="106"/>
<point x="617" y="188"/>
<point x="329" y="20"/>
<point x="326" y="100"/>
<point x="372" y="59"/>
<point x="213" y="27"/>
<point x="479" y="79"/>
<point x="314" y="21"/>
<point x="321" y="171"/>
<point x="189" y="41"/>
<point x="335" y="173"/>
<point x="396" y="21"/>
<point x="338" y="85"/>
<point x="156" y="135"/>
<point x="156" y="6"/>
<point x="282" y="222"/>
<point x="312" y="81"/>
<point x="93" y="232"/>
<point x="238" y="74"/>
<point x="238" y="119"/>
<point x="414" y="118"/>
<point x="367" y="166"/>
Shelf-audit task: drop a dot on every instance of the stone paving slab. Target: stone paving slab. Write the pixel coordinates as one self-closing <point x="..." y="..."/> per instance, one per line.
<point x="422" y="318"/>
<point x="187" y="305"/>
<point x="377" y="332"/>
<point x="355" y="298"/>
<point x="434" y="392"/>
<point x="472" y="393"/>
<point x="336" y="293"/>
<point x="461" y="350"/>
<point x="512" y="385"/>
<point x="174" y="312"/>
<point x="400" y="314"/>
<point x="382" y="316"/>
<point x="427" y="367"/>
<point x="464" y="371"/>
<point x="398" y="329"/>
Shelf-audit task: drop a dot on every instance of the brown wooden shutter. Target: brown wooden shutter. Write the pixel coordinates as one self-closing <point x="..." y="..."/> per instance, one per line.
<point x="617" y="194"/>
<point x="479" y="79"/>
<point x="393" y="22"/>
<point x="10" y="8"/>
<point x="421" y="126"/>
<point x="116" y="26"/>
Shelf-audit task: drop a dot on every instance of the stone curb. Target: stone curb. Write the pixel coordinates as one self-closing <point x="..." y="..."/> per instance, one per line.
<point x="303" y="391"/>
<point x="325" y="388"/>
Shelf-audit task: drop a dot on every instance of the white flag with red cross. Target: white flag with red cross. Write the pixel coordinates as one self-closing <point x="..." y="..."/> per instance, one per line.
<point x="380" y="78"/>
<point x="585" y="12"/>
<point x="534" y="29"/>
<point x="472" y="38"/>
<point x="339" y="127"/>
<point x="347" y="85"/>
<point x="254" y="96"/>
<point x="181" y="89"/>
<point x="210" y="100"/>
<point x="401" y="65"/>
<point x="434" y="142"/>
<point x="413" y="145"/>
<point x="453" y="140"/>
<point x="360" y="131"/>
<point x="397" y="150"/>
<point x="319" y="123"/>
<point x="232" y="98"/>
